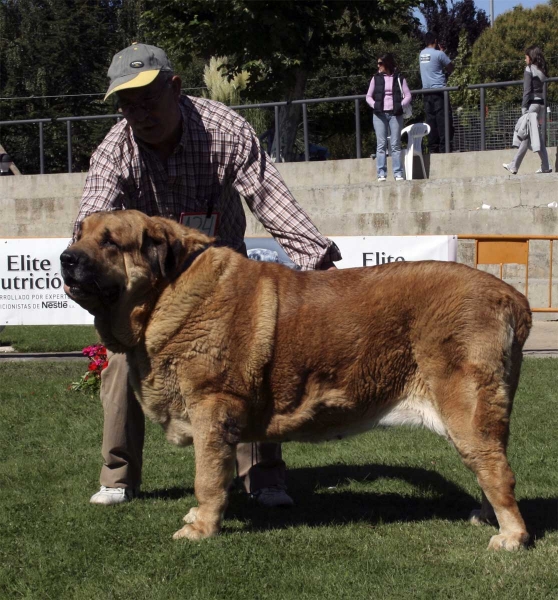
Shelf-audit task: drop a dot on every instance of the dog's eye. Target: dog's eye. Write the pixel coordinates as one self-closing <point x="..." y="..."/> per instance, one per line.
<point x="108" y="243"/>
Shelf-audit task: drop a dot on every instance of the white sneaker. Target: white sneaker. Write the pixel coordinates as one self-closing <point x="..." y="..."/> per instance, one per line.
<point x="273" y="497"/>
<point x="508" y="168"/>
<point x="108" y="496"/>
<point x="399" y="178"/>
<point x="381" y="177"/>
<point x="540" y="170"/>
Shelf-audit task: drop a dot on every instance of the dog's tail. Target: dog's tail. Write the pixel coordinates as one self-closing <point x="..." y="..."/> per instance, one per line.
<point x="521" y="317"/>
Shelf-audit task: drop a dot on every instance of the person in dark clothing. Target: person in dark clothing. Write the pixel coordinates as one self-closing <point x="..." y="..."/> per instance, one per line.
<point x="434" y="68"/>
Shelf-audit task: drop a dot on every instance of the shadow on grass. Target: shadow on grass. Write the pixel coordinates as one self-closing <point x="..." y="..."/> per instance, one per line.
<point x="541" y="515"/>
<point x="322" y="500"/>
<point x="173" y="493"/>
<point x="316" y="505"/>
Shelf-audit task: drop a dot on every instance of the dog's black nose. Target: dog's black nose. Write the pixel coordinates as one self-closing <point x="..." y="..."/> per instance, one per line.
<point x="73" y="263"/>
<point x="68" y="259"/>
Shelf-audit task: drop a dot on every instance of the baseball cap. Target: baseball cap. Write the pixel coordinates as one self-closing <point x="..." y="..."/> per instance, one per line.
<point x="136" y="66"/>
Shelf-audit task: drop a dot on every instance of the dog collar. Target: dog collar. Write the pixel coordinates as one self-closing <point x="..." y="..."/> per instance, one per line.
<point x="191" y="258"/>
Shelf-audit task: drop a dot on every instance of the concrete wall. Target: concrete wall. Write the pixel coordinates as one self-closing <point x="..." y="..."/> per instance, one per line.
<point x="344" y="198"/>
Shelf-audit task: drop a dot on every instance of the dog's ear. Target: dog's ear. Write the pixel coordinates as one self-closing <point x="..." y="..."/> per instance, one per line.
<point x="154" y="247"/>
<point x="167" y="245"/>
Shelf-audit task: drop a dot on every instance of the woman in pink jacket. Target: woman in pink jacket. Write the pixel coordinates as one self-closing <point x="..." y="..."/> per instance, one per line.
<point x="387" y="95"/>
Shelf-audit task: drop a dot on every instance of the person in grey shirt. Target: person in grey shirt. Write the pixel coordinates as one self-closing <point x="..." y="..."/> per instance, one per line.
<point x="434" y="68"/>
<point x="532" y="105"/>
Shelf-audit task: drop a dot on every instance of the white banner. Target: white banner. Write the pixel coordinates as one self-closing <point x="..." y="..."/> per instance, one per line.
<point x="32" y="290"/>
<point x="370" y="250"/>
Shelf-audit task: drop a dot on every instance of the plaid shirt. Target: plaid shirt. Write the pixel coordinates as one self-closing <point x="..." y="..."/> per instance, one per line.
<point x="218" y="159"/>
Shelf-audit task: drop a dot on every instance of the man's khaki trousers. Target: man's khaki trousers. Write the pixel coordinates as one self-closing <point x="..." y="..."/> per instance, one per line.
<point x="259" y="465"/>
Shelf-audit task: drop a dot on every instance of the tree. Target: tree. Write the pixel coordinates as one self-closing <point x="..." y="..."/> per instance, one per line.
<point x="279" y="43"/>
<point x="498" y="54"/>
<point x="448" y="22"/>
<point x="54" y="58"/>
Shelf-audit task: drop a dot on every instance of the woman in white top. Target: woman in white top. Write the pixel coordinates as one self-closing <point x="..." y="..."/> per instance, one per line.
<point x="387" y="95"/>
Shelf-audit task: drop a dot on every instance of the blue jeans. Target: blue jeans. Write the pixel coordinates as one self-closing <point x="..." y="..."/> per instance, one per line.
<point x="381" y="123"/>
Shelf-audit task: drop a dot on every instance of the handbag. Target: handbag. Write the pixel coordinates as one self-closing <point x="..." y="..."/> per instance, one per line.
<point x="407" y="110"/>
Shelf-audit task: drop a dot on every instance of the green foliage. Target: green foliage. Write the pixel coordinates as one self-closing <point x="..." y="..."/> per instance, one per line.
<point x="59" y="48"/>
<point x="463" y="75"/>
<point x="279" y="44"/>
<point x="449" y="22"/>
<point x="271" y="41"/>
<point x="498" y="54"/>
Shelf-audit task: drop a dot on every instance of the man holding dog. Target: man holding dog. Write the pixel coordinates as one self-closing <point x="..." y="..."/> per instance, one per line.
<point x="188" y="159"/>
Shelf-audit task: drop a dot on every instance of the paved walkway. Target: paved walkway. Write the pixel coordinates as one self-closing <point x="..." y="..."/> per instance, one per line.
<point x="543" y="339"/>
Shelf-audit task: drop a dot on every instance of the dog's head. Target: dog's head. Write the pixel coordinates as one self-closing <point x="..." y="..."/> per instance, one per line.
<point x="121" y="260"/>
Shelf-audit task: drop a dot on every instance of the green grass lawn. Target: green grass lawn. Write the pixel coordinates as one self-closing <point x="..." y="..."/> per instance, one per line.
<point x="383" y="515"/>
<point x="48" y="338"/>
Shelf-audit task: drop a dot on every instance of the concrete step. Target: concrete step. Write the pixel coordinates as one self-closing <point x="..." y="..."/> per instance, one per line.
<point x="450" y="205"/>
<point x="438" y="166"/>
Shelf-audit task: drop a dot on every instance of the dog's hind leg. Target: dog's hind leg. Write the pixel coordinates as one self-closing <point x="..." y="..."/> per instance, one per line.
<point x="477" y="411"/>
<point x="215" y="440"/>
<point x="485" y="515"/>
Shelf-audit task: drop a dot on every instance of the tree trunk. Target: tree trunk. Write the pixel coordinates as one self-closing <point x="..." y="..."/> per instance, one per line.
<point x="291" y="116"/>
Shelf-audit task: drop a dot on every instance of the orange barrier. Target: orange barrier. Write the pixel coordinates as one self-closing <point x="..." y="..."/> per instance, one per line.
<point x="511" y="250"/>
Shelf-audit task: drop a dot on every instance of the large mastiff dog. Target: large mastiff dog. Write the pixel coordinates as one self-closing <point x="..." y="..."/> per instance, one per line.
<point x="225" y="350"/>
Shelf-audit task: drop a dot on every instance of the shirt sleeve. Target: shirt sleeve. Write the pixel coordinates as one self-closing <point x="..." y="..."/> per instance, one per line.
<point x="259" y="182"/>
<point x="103" y="190"/>
<point x="444" y="59"/>
<point x="527" y="84"/>
<point x="370" y="94"/>
<point x="406" y="93"/>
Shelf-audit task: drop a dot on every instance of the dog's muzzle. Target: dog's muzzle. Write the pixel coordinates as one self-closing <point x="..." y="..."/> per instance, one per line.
<point x="79" y="274"/>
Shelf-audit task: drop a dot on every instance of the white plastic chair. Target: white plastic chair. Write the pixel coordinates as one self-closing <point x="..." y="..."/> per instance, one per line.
<point x="415" y="133"/>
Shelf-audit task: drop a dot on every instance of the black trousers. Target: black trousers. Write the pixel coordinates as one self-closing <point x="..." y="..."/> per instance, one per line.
<point x="434" y="109"/>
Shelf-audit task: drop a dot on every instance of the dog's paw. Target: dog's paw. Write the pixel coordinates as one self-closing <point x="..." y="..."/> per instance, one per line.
<point x="191" y="516"/>
<point x="189" y="532"/>
<point x="509" y="542"/>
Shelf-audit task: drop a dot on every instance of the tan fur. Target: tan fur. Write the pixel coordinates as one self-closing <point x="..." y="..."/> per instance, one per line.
<point x="230" y="350"/>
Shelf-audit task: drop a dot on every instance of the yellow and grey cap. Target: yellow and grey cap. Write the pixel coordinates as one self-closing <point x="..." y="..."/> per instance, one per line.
<point x="136" y="66"/>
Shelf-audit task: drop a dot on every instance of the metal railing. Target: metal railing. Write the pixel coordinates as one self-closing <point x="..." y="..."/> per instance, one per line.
<point x="482" y="87"/>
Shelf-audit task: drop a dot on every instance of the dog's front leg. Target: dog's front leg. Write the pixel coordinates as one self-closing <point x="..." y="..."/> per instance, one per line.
<point x="216" y="434"/>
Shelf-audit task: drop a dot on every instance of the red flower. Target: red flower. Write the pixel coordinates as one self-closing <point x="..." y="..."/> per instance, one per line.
<point x="97" y="355"/>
